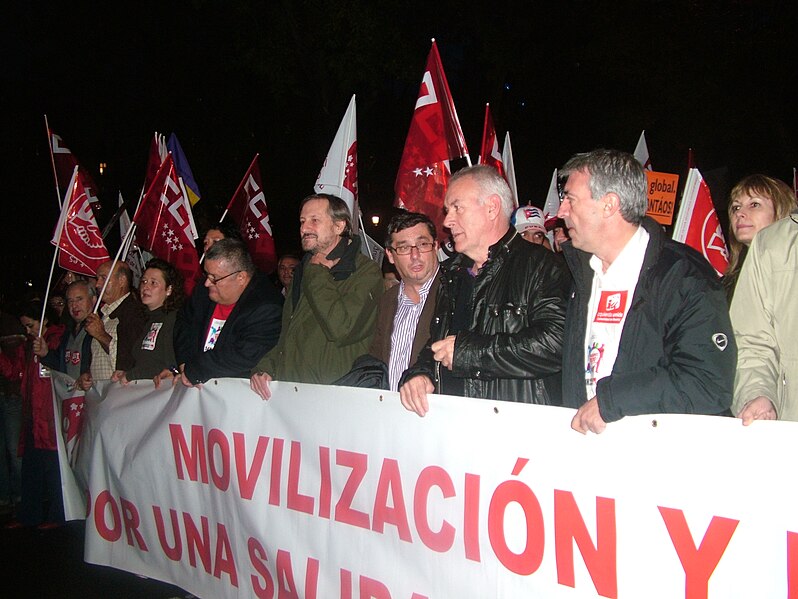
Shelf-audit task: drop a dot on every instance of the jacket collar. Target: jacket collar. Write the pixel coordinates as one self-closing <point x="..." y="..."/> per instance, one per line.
<point x="500" y="248"/>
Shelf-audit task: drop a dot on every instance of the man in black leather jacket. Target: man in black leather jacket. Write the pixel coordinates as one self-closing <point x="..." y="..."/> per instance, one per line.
<point x="498" y="324"/>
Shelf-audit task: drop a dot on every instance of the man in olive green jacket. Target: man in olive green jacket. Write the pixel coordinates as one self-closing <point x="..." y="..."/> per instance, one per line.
<point x="330" y="306"/>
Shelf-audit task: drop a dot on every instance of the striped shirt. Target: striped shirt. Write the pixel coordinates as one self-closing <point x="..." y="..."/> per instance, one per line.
<point x="405" y="322"/>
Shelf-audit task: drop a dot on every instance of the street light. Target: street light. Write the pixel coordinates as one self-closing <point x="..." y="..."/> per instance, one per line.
<point x="375" y="220"/>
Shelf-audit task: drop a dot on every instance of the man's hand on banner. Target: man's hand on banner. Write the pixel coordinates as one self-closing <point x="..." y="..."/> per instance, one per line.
<point x="588" y="418"/>
<point x="759" y="408"/>
<point x="414" y="394"/>
<point x="84" y="382"/>
<point x="119" y="376"/>
<point x="259" y="383"/>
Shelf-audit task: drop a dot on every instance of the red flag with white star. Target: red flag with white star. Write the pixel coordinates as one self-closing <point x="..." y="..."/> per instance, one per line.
<point x="697" y="224"/>
<point x="165" y="224"/>
<point x="434" y="138"/>
<point x="77" y="235"/>
<point x="489" y="153"/>
<point x="72" y="409"/>
<point x="248" y="210"/>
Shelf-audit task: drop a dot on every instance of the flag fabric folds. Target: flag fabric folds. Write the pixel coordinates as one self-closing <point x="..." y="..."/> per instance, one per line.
<point x="338" y="174"/>
<point x="183" y="169"/>
<point x="641" y="152"/>
<point x="697" y="224"/>
<point x="489" y="152"/>
<point x="552" y="206"/>
<point x="165" y="225"/>
<point x="248" y="210"/>
<point x="155" y="158"/>
<point x="76" y="234"/>
<point x="509" y="168"/>
<point x="64" y="162"/>
<point x="435" y="137"/>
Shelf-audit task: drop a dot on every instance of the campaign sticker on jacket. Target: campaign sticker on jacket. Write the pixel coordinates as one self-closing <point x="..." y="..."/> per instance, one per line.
<point x="612" y="307"/>
<point x="151" y="338"/>
<point x="72" y="356"/>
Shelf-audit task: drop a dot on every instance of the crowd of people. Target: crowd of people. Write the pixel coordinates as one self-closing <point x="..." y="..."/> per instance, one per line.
<point x="600" y="311"/>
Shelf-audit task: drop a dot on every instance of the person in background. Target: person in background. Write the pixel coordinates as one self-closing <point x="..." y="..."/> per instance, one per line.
<point x="57" y="303"/>
<point x="219" y="231"/>
<point x="647" y="329"/>
<point x="497" y="328"/>
<point x="12" y="335"/>
<point x="161" y="291"/>
<point x="286" y="266"/>
<point x="41" y="504"/>
<point x="530" y="224"/>
<point x="754" y="203"/>
<point x="329" y="314"/>
<point x="764" y="312"/>
<point x="559" y="234"/>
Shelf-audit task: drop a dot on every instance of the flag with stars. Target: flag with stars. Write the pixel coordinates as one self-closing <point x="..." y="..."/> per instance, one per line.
<point x="248" y="210"/>
<point x="434" y="138"/>
<point x="165" y="225"/>
<point x="71" y="423"/>
<point x="338" y="174"/>
<point x="77" y="236"/>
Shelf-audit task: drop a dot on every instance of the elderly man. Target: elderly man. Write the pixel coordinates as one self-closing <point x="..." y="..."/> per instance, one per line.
<point x="498" y="324"/>
<point x="329" y="314"/>
<point x="73" y="356"/>
<point x="647" y="329"/>
<point x="405" y="310"/>
<point x="230" y="322"/>
<point x="121" y="324"/>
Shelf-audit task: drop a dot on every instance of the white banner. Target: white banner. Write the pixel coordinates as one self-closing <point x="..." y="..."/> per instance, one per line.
<point x="338" y="492"/>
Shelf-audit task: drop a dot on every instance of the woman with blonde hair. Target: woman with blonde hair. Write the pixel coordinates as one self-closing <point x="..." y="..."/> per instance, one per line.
<point x="754" y="203"/>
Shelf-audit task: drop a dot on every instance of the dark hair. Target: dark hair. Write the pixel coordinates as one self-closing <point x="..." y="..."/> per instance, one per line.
<point x="405" y="220"/>
<point x="33" y="310"/>
<point x="235" y="252"/>
<point x="290" y="254"/>
<point x="228" y="229"/>
<point x="337" y="209"/>
<point x="173" y="279"/>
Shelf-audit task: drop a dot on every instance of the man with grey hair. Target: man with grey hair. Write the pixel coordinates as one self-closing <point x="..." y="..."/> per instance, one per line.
<point x="498" y="323"/>
<point x="647" y="329"/>
<point x="229" y="322"/>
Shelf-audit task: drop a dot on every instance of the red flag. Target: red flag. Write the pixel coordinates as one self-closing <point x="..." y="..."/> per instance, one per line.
<point x="155" y="158"/>
<point x="697" y="224"/>
<point x="165" y="224"/>
<point x="248" y="209"/>
<point x="77" y="234"/>
<point x="65" y="162"/>
<point x="434" y="138"/>
<point x="72" y="409"/>
<point x="489" y="153"/>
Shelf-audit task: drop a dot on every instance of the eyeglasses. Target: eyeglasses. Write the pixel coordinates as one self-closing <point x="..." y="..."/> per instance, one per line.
<point x="404" y="250"/>
<point x="215" y="280"/>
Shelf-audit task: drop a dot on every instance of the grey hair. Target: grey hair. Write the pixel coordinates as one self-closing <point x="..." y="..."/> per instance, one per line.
<point x="91" y="291"/>
<point x="234" y="251"/>
<point x="490" y="182"/>
<point x="613" y="171"/>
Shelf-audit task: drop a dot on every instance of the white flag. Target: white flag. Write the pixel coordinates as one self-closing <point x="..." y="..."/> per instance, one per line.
<point x="641" y="152"/>
<point x="509" y="168"/>
<point x="338" y="175"/>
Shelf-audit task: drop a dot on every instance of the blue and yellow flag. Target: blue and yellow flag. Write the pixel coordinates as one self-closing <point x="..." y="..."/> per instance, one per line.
<point x="183" y="169"/>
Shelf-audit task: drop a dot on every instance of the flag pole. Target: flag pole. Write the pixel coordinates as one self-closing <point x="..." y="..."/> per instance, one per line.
<point x="238" y="189"/>
<point x="52" y="160"/>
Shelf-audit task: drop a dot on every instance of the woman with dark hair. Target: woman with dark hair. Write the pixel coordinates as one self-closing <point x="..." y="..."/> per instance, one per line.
<point x="161" y="290"/>
<point x="754" y="203"/>
<point x="41" y="503"/>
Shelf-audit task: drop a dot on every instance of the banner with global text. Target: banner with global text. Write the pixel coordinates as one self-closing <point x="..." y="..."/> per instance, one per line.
<point x="338" y="492"/>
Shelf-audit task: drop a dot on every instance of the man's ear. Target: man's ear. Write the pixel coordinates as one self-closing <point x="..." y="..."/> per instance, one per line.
<point x="494" y="205"/>
<point x="611" y="204"/>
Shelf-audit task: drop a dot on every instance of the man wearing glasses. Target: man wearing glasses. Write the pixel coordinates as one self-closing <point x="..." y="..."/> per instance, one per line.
<point x="230" y="322"/>
<point x="331" y="306"/>
<point x="498" y="323"/>
<point x="405" y="310"/>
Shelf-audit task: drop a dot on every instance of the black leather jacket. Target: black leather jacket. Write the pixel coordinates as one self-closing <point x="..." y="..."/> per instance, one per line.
<point x="517" y="315"/>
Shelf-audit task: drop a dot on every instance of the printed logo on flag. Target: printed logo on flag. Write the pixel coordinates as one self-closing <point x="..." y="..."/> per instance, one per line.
<point x="612" y="307"/>
<point x="712" y="239"/>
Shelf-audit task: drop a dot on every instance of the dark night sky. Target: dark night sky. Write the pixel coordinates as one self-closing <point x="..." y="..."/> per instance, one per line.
<point x="238" y="77"/>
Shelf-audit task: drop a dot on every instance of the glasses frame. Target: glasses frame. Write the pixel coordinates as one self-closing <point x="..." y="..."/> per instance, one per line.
<point x="215" y="280"/>
<point x="406" y="250"/>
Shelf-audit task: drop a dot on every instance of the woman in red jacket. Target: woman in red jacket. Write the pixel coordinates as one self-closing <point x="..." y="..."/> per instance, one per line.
<point x="42" y="503"/>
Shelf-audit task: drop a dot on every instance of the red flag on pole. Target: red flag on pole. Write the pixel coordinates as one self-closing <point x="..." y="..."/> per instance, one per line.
<point x="697" y="224"/>
<point x="434" y="138"/>
<point x="155" y="158"/>
<point x="165" y="224"/>
<point x="77" y="235"/>
<point x="248" y="209"/>
<point x="64" y="162"/>
<point x="489" y="152"/>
